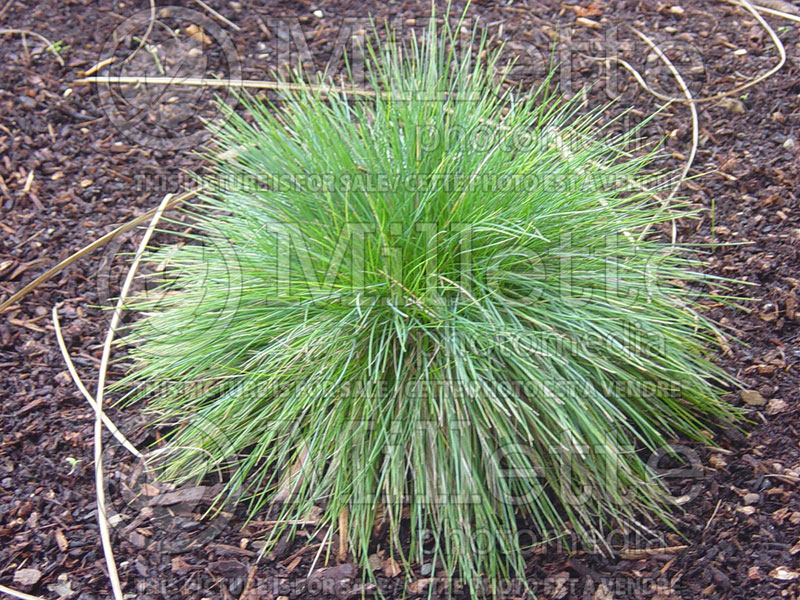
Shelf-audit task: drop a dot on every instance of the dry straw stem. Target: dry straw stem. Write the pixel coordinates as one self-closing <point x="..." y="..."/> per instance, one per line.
<point x="36" y="35"/>
<point x="147" y="32"/>
<point x="53" y="271"/>
<point x="5" y="8"/>
<point x="789" y="11"/>
<point x="76" y="378"/>
<point x="101" y="380"/>
<point x="695" y="130"/>
<point x="20" y="595"/>
<point x="767" y="74"/>
<point x="689" y="99"/>
<point x="714" y="514"/>
<point x="344" y="518"/>
<point x="324" y="544"/>
<point x="746" y="4"/>
<point x="100" y="65"/>
<point x="231" y="83"/>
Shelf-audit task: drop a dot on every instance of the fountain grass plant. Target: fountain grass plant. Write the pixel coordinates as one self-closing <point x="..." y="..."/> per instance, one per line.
<point x="429" y="310"/>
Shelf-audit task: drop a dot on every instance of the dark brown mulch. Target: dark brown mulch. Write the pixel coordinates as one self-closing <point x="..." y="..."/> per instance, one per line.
<point x="739" y="534"/>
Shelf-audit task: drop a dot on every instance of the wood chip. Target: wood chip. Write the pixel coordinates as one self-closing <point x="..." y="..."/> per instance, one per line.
<point x="391" y="568"/>
<point x="419" y="586"/>
<point x="137" y="539"/>
<point x="603" y="593"/>
<point x="784" y="574"/>
<point x="717" y="461"/>
<point x="191" y="494"/>
<point x="27" y="577"/>
<point x="61" y="540"/>
<point x="28" y="182"/>
<point x="752" y="397"/>
<point x="229" y="568"/>
<point x="180" y="566"/>
<point x="594" y="9"/>
<point x="197" y="34"/>
<point x="340" y="575"/>
<point x="776" y="406"/>
<point x="732" y="104"/>
<point x="588" y="23"/>
<point x="751" y="498"/>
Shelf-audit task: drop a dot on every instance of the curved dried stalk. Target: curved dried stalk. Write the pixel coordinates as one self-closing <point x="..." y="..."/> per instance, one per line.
<point x="77" y="379"/>
<point x="36" y="35"/>
<point x="101" y="381"/>
<point x="88" y="249"/>
<point x="732" y="92"/>
<point x="770" y="11"/>
<point x="695" y="130"/>
<point x="147" y="32"/>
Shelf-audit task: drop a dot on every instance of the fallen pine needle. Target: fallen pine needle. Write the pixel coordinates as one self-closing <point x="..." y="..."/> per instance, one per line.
<point x="695" y="130"/>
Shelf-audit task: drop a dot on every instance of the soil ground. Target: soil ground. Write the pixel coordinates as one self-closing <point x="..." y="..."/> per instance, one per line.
<point x="69" y="173"/>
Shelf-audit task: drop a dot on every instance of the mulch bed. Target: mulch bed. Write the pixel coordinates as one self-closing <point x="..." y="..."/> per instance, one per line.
<point x="70" y="175"/>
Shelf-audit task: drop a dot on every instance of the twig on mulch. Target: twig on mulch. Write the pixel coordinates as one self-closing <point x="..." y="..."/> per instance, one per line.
<point x="214" y="13"/>
<point x="714" y="514"/>
<point x="645" y="552"/>
<point x="5" y="8"/>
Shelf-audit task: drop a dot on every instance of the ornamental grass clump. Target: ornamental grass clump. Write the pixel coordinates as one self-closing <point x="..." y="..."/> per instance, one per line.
<point x="427" y="312"/>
